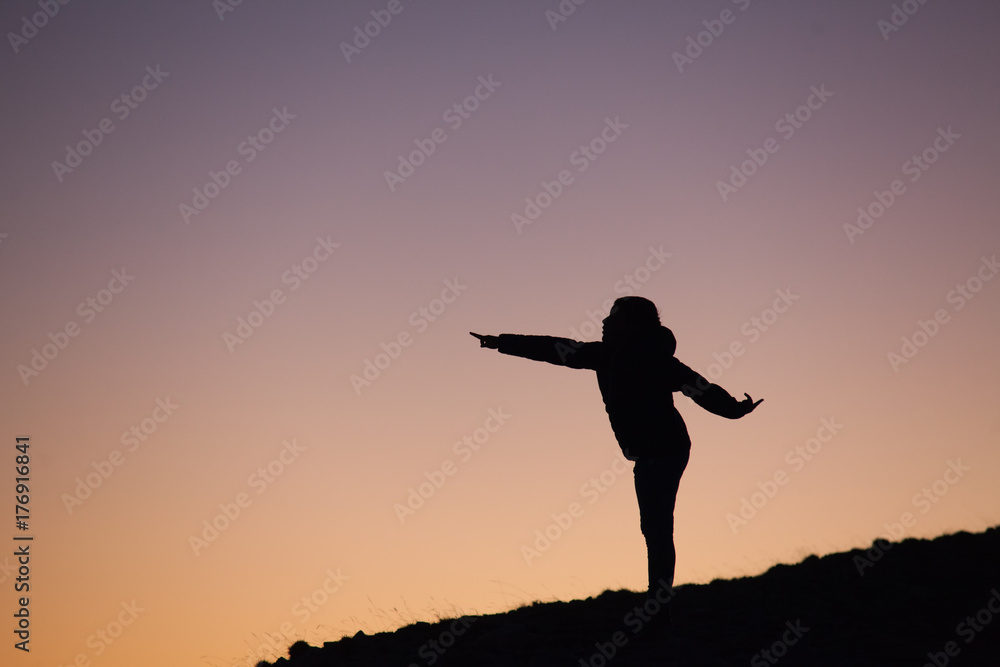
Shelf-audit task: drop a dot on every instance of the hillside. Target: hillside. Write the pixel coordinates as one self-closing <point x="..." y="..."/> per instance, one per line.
<point x="915" y="602"/>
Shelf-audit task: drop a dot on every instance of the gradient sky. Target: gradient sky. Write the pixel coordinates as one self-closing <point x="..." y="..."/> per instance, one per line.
<point x="326" y="514"/>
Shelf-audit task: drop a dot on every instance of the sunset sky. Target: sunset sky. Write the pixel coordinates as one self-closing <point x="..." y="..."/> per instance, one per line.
<point x="242" y="246"/>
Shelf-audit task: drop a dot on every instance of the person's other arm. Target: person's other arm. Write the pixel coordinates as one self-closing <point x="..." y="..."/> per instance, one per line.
<point x="710" y="396"/>
<point x="552" y="349"/>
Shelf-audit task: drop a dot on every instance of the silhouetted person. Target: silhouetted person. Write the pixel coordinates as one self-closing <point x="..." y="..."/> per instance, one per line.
<point x="637" y="374"/>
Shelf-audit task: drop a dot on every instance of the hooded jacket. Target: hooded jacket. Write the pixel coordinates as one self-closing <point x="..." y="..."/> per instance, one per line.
<point x="637" y="376"/>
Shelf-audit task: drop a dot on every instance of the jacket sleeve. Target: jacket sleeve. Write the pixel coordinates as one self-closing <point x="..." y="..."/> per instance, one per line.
<point x="554" y="350"/>
<point x="710" y="396"/>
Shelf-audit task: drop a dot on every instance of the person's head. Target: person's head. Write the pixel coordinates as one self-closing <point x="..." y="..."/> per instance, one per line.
<point x="630" y="314"/>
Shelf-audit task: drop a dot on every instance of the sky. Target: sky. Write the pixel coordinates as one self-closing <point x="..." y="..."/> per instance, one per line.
<point x="242" y="246"/>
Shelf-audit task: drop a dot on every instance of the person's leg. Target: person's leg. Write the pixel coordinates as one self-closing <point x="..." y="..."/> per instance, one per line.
<point x="656" y="484"/>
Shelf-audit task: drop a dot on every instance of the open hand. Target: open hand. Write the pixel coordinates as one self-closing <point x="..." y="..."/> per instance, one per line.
<point x="492" y="342"/>
<point x="748" y="404"/>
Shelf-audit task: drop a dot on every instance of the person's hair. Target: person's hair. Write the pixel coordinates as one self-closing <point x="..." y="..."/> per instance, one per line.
<point x="636" y="311"/>
<point x="640" y="321"/>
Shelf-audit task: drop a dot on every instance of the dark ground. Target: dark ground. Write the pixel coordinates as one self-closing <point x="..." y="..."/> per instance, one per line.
<point x="914" y="597"/>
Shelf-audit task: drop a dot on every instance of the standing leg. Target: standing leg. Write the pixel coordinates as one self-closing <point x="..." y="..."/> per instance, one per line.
<point x="656" y="484"/>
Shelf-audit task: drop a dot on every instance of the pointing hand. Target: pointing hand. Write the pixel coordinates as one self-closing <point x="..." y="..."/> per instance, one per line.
<point x="492" y="342"/>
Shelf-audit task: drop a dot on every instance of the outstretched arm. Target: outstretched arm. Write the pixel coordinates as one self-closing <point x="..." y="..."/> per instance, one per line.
<point x="552" y="349"/>
<point x="712" y="397"/>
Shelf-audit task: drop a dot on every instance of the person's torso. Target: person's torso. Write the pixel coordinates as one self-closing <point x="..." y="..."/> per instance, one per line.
<point x="637" y="380"/>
